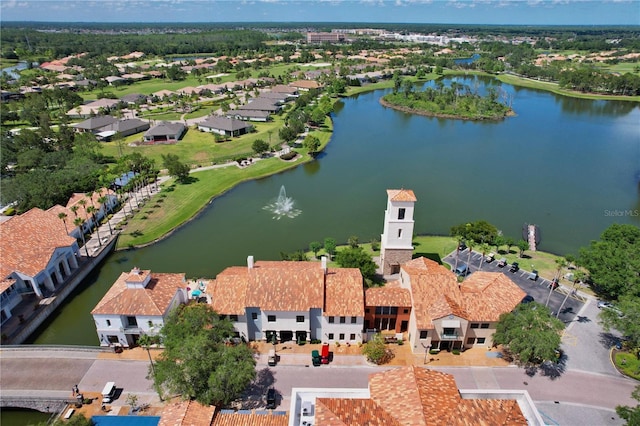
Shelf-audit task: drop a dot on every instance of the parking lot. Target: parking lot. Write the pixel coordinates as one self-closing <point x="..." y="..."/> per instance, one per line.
<point x="539" y="289"/>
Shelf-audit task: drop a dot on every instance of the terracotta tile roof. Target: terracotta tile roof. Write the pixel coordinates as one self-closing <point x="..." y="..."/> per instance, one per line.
<point x="486" y="295"/>
<point x="229" y="291"/>
<point x="401" y="195"/>
<point x="483" y="296"/>
<point x="388" y="295"/>
<point x="288" y="286"/>
<point x="186" y="413"/>
<point x="343" y="411"/>
<point x="6" y="283"/>
<point x="344" y="293"/>
<point x="240" y="419"/>
<point x="487" y="412"/>
<point x="434" y="291"/>
<point x="28" y="241"/>
<point x="82" y="211"/>
<point x="154" y="299"/>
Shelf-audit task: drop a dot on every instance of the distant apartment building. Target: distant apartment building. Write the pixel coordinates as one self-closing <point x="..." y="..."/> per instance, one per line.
<point x="325" y="38"/>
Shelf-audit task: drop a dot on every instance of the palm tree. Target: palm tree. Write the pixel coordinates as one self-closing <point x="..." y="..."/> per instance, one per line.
<point x="103" y="201"/>
<point x="63" y="217"/>
<point x="459" y="240"/>
<point x="484" y="248"/>
<point x="470" y="244"/>
<point x="79" y="222"/>
<point x="74" y="209"/>
<point x="83" y="203"/>
<point x="92" y="211"/>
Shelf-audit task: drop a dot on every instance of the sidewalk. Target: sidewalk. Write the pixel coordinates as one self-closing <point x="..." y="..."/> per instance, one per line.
<point x="292" y="354"/>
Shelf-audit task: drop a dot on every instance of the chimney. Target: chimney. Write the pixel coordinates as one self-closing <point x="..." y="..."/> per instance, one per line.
<point x="323" y="263"/>
<point x="250" y="262"/>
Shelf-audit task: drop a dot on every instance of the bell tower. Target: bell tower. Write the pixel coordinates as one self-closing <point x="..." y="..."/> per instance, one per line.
<point x="396" y="240"/>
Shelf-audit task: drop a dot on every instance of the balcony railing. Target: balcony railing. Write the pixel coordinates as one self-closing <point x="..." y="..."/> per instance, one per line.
<point x="449" y="336"/>
<point x="131" y="329"/>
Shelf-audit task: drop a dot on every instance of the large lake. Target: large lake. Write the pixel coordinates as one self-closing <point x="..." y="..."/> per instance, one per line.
<point x="571" y="166"/>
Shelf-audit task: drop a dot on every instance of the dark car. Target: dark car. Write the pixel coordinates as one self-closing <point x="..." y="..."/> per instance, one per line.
<point x="462" y="247"/>
<point x="533" y="275"/>
<point x="271" y="398"/>
<point x="553" y="284"/>
<point x="514" y="267"/>
<point x="527" y="299"/>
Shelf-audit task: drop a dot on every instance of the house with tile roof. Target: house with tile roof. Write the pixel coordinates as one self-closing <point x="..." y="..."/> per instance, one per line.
<point x="138" y="303"/>
<point x="448" y="315"/>
<point x="37" y="256"/>
<point x="261" y="104"/>
<point x="412" y="396"/>
<point x="94" y="124"/>
<point x="288" y="301"/>
<point x="387" y="308"/>
<point x="93" y="108"/>
<point x="249" y="115"/>
<point x="75" y="209"/>
<point x="192" y="413"/>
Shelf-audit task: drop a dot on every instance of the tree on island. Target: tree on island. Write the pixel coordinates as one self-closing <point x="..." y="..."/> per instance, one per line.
<point x="198" y="361"/>
<point x="530" y="333"/>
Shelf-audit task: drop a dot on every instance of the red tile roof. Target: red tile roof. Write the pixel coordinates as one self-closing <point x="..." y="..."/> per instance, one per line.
<point x="288" y="286"/>
<point x="186" y="413"/>
<point x="486" y="295"/>
<point x="154" y="299"/>
<point x="28" y="241"/>
<point x="241" y="419"/>
<point x="389" y="295"/>
<point x="414" y="396"/>
<point x="6" y="283"/>
<point x="483" y="296"/>
<point x="401" y="195"/>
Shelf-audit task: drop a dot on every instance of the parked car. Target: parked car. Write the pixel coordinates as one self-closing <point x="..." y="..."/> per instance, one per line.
<point x="462" y="247"/>
<point x="502" y="262"/>
<point x="533" y="275"/>
<point x="527" y="299"/>
<point x="272" y="358"/>
<point x="553" y="284"/>
<point x="324" y="354"/>
<point x="490" y="257"/>
<point x="462" y="270"/>
<point x="271" y="398"/>
<point x="514" y="267"/>
<point x="315" y="358"/>
<point x="603" y="304"/>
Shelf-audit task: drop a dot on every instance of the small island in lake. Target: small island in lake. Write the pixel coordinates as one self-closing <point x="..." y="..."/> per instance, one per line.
<point x="456" y="101"/>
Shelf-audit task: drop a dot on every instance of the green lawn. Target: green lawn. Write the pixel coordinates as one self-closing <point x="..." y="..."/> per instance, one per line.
<point x="199" y="148"/>
<point x="177" y="203"/>
<point x="623" y="67"/>
<point x="629" y="364"/>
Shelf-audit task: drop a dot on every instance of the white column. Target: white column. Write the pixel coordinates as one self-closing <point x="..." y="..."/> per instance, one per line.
<point x="35" y="287"/>
<point x="65" y="266"/>
<point x="48" y="282"/>
<point x="73" y="261"/>
<point x="58" y="275"/>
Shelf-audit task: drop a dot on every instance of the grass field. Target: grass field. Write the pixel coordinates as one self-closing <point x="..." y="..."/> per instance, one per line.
<point x="198" y="148"/>
<point x="629" y="364"/>
<point x="178" y="203"/>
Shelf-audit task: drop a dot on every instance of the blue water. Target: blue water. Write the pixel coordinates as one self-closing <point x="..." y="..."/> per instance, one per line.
<point x="125" y="420"/>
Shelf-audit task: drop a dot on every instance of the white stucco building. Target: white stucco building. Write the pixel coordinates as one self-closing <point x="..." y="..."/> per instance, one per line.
<point x="396" y="245"/>
<point x="138" y="303"/>
<point x="299" y="301"/>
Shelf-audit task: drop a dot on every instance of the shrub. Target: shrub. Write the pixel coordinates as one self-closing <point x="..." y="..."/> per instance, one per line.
<point x="315" y="341"/>
<point x="289" y="156"/>
<point x="456" y="351"/>
<point x="434" y="351"/>
<point x="400" y="343"/>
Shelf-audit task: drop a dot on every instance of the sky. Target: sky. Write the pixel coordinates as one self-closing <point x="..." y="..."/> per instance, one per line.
<point x="496" y="12"/>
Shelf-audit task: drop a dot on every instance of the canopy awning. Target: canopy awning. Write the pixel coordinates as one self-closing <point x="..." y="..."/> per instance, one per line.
<point x="451" y="324"/>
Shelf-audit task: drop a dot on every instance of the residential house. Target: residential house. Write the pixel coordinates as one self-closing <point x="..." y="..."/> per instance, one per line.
<point x="37" y="256"/>
<point x="291" y="300"/>
<point x="138" y="303"/>
<point x="305" y="85"/>
<point x="448" y="315"/>
<point x="387" y="308"/>
<point x="412" y="396"/>
<point x="161" y="94"/>
<point x="190" y="413"/>
<point x="126" y="127"/>
<point x="261" y="104"/>
<point x="225" y="126"/>
<point x="282" y="88"/>
<point x="165" y="132"/>
<point x="77" y="208"/>
<point x="93" y="108"/>
<point x="94" y="124"/>
<point x="134" y="99"/>
<point x="249" y="115"/>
